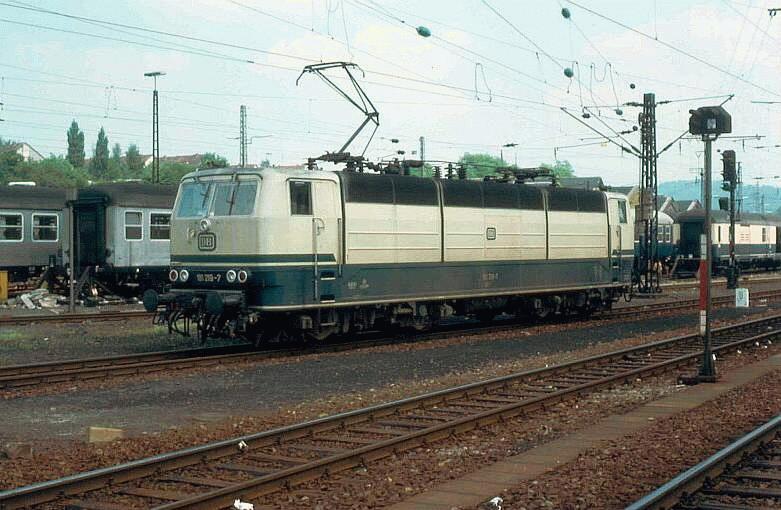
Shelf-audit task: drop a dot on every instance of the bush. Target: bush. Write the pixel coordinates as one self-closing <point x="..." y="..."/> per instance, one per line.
<point x="53" y="171"/>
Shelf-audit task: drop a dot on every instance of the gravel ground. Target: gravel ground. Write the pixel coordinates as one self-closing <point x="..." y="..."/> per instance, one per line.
<point x="151" y="405"/>
<point x="625" y="470"/>
<point x="33" y="343"/>
<point x="59" y="455"/>
<point x="402" y="476"/>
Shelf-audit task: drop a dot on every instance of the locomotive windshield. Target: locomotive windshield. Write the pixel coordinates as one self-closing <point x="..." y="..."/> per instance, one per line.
<point x="217" y="198"/>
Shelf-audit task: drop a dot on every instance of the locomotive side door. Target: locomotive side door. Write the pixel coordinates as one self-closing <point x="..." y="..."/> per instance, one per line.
<point x="621" y="238"/>
<point x="326" y="239"/>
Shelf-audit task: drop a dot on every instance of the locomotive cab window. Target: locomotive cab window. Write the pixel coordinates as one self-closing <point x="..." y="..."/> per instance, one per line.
<point x="194" y="200"/>
<point x="301" y="198"/>
<point x="45" y="227"/>
<point x="235" y="198"/>
<point x="11" y="227"/>
<point x="134" y="230"/>
<point x="622" y="211"/>
<point x="160" y="226"/>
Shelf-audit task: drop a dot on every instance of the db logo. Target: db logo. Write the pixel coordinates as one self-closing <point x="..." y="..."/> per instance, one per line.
<point x="207" y="241"/>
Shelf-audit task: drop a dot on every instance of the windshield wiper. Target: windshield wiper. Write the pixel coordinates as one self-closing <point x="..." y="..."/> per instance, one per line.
<point x="232" y="199"/>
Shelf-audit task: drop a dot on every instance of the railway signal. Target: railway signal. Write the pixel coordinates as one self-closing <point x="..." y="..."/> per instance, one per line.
<point x="730" y="183"/>
<point x="708" y="122"/>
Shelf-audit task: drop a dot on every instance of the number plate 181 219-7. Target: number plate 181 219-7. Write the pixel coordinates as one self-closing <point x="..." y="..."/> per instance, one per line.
<point x="208" y="277"/>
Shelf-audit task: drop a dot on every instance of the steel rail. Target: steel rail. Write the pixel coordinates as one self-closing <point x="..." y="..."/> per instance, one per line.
<point x="29" y="375"/>
<point x="684" y="305"/>
<point x="723" y="461"/>
<point x="563" y="382"/>
<point x="90" y="368"/>
<point x="135" y="314"/>
<point x="75" y="317"/>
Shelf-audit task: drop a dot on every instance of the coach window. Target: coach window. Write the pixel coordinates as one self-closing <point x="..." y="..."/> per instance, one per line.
<point x="160" y="226"/>
<point x="45" y="227"/>
<point x="10" y="227"/>
<point x="134" y="230"/>
<point x="301" y="198"/>
<point x="622" y="211"/>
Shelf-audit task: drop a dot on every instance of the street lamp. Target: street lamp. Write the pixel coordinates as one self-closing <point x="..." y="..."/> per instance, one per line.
<point x="708" y="122"/>
<point x="507" y="145"/>
<point x="155" y="128"/>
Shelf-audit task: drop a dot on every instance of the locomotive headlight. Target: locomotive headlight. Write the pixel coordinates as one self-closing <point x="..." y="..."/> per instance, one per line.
<point x="243" y="275"/>
<point x="173" y="275"/>
<point x="184" y="275"/>
<point x="230" y="276"/>
<point x="205" y="223"/>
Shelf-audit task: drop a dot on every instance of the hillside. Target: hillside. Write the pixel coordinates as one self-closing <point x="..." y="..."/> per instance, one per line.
<point x="691" y="190"/>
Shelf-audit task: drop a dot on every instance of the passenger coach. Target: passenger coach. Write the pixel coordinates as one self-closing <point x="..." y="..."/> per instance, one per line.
<point x="757" y="241"/>
<point x="31" y="230"/>
<point x="273" y="254"/>
<point x="122" y="233"/>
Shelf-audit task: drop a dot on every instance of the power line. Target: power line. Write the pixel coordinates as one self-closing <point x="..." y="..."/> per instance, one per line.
<point x="526" y="37"/>
<point x="764" y="31"/>
<point x="672" y="47"/>
<point x="28" y="7"/>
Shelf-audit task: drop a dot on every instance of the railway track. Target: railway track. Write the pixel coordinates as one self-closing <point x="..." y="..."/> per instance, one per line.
<point x="742" y="476"/>
<point x="135" y="314"/>
<point x="40" y="374"/>
<point x="35" y="374"/>
<point x="75" y="317"/>
<point x="685" y="304"/>
<point x="248" y="467"/>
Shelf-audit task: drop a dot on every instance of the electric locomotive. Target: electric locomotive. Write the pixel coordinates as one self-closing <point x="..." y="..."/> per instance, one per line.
<point x="274" y="254"/>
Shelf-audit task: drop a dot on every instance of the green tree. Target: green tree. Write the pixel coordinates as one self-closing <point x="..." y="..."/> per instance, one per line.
<point x="560" y="168"/>
<point x="9" y="161"/>
<point x="5" y="141"/>
<point x="212" y="160"/>
<point x="134" y="162"/>
<point x="76" y="145"/>
<point x="116" y="167"/>
<point x="480" y="165"/>
<point x="52" y="171"/>
<point x="99" y="164"/>
<point x="170" y="173"/>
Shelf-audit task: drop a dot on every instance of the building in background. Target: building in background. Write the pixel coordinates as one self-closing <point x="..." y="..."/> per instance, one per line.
<point x="23" y="149"/>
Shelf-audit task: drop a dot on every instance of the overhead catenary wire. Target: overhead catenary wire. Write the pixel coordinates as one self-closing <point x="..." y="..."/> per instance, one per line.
<point x="673" y="47"/>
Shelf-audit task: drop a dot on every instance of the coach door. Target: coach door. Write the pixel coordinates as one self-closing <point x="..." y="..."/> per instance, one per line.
<point x="90" y="233"/>
<point x="326" y="236"/>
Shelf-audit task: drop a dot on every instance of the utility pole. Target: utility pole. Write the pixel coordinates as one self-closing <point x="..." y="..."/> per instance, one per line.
<point x="155" y="128"/>
<point x="649" y="214"/>
<point x="422" y="148"/>
<point x="243" y="135"/>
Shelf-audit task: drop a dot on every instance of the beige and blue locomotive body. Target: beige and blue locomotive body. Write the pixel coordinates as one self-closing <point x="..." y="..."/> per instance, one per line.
<point x="261" y="252"/>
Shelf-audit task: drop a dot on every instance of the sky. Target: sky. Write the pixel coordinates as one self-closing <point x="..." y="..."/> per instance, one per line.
<point x="492" y="73"/>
